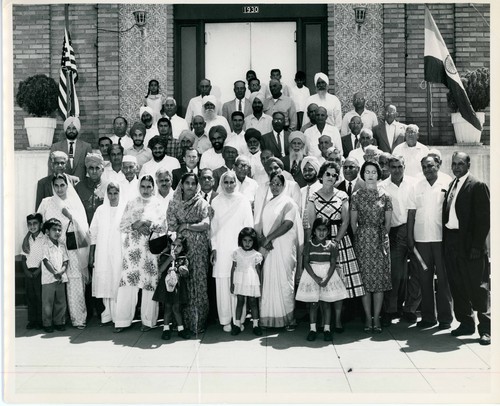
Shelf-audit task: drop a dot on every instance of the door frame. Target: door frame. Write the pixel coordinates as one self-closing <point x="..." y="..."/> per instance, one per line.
<point x="188" y="15"/>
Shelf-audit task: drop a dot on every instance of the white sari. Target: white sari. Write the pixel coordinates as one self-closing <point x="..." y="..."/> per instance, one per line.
<point x="278" y="299"/>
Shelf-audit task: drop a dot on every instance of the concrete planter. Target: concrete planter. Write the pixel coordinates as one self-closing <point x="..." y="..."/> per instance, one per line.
<point x="466" y="133"/>
<point x="40" y="131"/>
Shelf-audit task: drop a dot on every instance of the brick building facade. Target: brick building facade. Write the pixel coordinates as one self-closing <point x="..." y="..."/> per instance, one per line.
<point x="385" y="59"/>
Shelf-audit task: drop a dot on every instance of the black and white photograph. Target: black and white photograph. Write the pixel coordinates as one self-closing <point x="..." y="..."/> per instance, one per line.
<point x="273" y="202"/>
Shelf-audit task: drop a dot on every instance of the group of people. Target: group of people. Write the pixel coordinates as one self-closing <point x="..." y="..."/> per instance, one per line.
<point x="270" y="200"/>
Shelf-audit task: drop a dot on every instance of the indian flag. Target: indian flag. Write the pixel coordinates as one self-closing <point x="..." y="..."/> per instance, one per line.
<point x="439" y="68"/>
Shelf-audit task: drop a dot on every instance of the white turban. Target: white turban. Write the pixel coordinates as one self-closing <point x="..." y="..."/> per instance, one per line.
<point x="297" y="135"/>
<point x="58" y="154"/>
<point x="129" y="158"/>
<point x="72" y="120"/>
<point x="144" y="109"/>
<point x="256" y="95"/>
<point x="231" y="144"/>
<point x="92" y="158"/>
<point x="209" y="99"/>
<point x="321" y="75"/>
<point x="311" y="160"/>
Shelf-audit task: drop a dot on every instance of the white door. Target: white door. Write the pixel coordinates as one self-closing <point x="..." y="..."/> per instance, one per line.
<point x="233" y="48"/>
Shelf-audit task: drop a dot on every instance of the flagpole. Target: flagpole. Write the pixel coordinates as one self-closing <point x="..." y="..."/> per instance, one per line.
<point x="429" y="112"/>
<point x="67" y="72"/>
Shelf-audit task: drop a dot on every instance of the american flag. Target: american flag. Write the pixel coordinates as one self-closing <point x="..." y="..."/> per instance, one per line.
<point x="68" y="75"/>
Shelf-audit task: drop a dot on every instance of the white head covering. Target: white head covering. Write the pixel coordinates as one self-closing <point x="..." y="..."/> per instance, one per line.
<point x="129" y="158"/>
<point x="297" y="135"/>
<point x="231" y="143"/>
<point x="209" y="99"/>
<point x="58" y="154"/>
<point x="256" y="95"/>
<point x="311" y="160"/>
<point x="321" y="75"/>
<point x="94" y="158"/>
<point x="146" y="108"/>
<point x="72" y="120"/>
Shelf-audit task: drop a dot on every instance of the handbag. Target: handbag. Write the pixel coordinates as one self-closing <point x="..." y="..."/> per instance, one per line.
<point x="157" y="245"/>
<point x="70" y="239"/>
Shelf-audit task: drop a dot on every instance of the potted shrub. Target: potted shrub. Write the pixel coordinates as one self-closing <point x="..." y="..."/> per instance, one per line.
<point x="37" y="95"/>
<point x="477" y="87"/>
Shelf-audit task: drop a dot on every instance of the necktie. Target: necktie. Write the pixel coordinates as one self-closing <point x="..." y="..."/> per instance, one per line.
<point x="120" y="141"/>
<point x="278" y="140"/>
<point x="206" y="196"/>
<point x="450" y="199"/>
<point x="71" y="153"/>
<point x="305" y="220"/>
<point x="356" y="142"/>
<point x="349" y="189"/>
<point x="239" y="105"/>
<point x="294" y="168"/>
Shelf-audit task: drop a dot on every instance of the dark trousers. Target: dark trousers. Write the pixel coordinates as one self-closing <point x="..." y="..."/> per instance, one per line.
<point x="469" y="280"/>
<point x="54" y="304"/>
<point x="413" y="292"/>
<point x="34" y="297"/>
<point x="394" y="298"/>
<point x="432" y="254"/>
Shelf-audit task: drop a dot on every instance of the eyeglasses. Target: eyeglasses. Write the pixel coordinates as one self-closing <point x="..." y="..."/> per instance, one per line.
<point x="330" y="175"/>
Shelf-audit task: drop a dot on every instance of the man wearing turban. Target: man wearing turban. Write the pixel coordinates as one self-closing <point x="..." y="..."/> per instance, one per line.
<point x="258" y="119"/>
<point x="195" y="105"/>
<point x="146" y="115"/>
<point x="324" y="99"/>
<point x="210" y="115"/>
<point x="76" y="149"/>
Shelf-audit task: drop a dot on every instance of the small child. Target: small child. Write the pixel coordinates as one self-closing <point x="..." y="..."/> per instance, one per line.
<point x="154" y="99"/>
<point x="299" y="95"/>
<point x="31" y="259"/>
<point x="321" y="283"/>
<point x="246" y="276"/>
<point x="54" y="265"/>
<point x="172" y="287"/>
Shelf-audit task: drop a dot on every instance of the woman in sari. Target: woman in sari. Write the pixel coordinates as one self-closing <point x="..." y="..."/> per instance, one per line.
<point x="282" y="237"/>
<point x="187" y="215"/>
<point x="232" y="212"/>
<point x="67" y="207"/>
<point x="143" y="215"/>
<point x="106" y="251"/>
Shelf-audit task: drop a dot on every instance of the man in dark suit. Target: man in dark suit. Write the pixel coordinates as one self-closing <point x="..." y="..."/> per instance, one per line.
<point x="466" y="221"/>
<point x="58" y="161"/>
<point x="191" y="160"/>
<point x="277" y="140"/>
<point x="239" y="103"/>
<point x="75" y="149"/>
<point x="391" y="132"/>
<point x="351" y="140"/>
<point x="351" y="182"/>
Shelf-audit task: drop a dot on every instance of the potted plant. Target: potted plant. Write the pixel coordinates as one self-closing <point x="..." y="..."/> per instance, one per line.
<point x="37" y="95"/>
<point x="477" y="87"/>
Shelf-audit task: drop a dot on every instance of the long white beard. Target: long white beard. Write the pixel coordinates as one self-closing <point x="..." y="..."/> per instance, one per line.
<point x="296" y="156"/>
<point x="209" y="115"/>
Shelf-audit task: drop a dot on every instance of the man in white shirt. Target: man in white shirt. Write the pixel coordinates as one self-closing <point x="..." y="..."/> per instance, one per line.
<point x="321" y="128"/>
<point x="212" y="158"/>
<point x="365" y="139"/>
<point x="210" y="115"/>
<point x="178" y="123"/>
<point x="412" y="151"/>
<point x="160" y="159"/>
<point x="276" y="74"/>
<point x="113" y="172"/>
<point x="258" y="119"/>
<point x="245" y="185"/>
<point x="237" y="136"/>
<point x="310" y="169"/>
<point x="398" y="186"/>
<point x="195" y="105"/>
<point x="163" y="178"/>
<point x="239" y="103"/>
<point x="425" y="232"/>
<point x="139" y="150"/>
<point x="202" y="142"/>
<point x="324" y="99"/>
<point x="129" y="186"/>
<point x="146" y="114"/>
<point x="120" y="136"/>
<point x="278" y="102"/>
<point x="368" y="117"/>
<point x="391" y="132"/>
<point x="253" y="139"/>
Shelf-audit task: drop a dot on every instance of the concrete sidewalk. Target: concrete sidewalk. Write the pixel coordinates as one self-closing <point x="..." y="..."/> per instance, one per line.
<point x="97" y="365"/>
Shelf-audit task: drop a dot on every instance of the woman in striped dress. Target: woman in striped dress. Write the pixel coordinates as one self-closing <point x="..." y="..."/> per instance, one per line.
<point x="333" y="204"/>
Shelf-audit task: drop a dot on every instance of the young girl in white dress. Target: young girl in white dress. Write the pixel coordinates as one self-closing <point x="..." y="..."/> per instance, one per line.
<point x="246" y="278"/>
<point x="321" y="282"/>
<point x="154" y="99"/>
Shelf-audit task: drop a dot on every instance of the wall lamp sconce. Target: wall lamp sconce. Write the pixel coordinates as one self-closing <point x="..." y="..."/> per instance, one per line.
<point x="359" y="15"/>
<point x="140" y="22"/>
